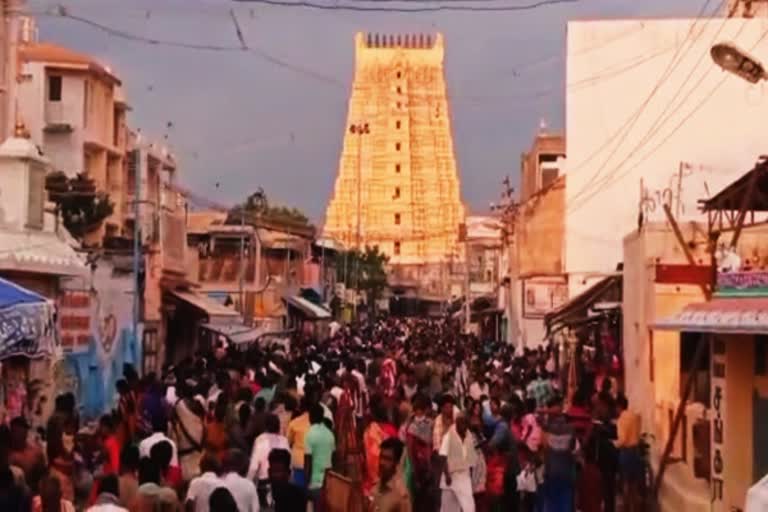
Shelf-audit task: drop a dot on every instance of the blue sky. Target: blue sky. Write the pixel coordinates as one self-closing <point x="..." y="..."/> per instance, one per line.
<point x="243" y="121"/>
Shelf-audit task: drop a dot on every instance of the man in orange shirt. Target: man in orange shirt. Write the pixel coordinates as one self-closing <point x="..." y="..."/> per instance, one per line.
<point x="630" y="459"/>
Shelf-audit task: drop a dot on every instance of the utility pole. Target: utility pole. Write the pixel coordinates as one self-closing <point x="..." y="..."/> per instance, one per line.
<point x="359" y="129"/>
<point x="137" y="253"/>
<point x="12" y="25"/>
<point x="242" y="262"/>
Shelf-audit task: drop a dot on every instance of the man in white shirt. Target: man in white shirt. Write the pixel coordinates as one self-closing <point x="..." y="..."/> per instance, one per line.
<point x="258" y="469"/>
<point x="242" y="489"/>
<point x="201" y="487"/>
<point x="145" y="446"/>
<point x="457" y="458"/>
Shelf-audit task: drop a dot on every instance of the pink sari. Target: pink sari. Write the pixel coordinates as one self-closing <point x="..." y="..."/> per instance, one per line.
<point x="374" y="435"/>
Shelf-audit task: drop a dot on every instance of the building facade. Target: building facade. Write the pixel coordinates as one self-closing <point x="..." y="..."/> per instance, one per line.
<point x="75" y="110"/>
<point x="542" y="164"/>
<point x="397" y="186"/>
<point x="635" y="136"/>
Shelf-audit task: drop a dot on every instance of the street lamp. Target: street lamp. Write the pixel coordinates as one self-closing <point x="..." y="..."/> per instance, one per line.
<point x="735" y="60"/>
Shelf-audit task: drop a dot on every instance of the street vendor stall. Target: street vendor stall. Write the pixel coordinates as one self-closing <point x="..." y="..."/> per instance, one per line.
<point x="27" y="331"/>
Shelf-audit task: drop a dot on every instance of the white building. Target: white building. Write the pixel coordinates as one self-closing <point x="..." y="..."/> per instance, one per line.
<point x="651" y="119"/>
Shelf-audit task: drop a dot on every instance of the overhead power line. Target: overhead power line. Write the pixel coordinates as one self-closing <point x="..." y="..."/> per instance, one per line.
<point x="669" y="135"/>
<point x="63" y="13"/>
<point x="437" y="5"/>
<point x="625" y="129"/>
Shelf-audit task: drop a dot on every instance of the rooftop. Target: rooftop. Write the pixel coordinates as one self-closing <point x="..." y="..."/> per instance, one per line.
<point x="55" y="54"/>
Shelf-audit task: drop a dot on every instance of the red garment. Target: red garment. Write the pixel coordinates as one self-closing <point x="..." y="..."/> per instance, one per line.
<point x="496" y="466"/>
<point x="589" y="496"/>
<point x="112" y="455"/>
<point x="173" y="477"/>
<point x="373" y="436"/>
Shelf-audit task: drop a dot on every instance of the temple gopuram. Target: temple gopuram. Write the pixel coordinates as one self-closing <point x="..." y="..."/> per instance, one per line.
<point x="397" y="185"/>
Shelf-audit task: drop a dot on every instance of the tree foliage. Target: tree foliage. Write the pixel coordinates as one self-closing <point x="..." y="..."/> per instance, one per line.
<point x="82" y="207"/>
<point x="364" y="270"/>
<point x="256" y="204"/>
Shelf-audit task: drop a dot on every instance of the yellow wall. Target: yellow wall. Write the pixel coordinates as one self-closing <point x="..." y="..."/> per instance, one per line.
<point x="539" y="232"/>
<point x="739" y="380"/>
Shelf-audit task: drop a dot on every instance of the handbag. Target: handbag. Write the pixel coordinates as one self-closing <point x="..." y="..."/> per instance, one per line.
<point x="527" y="481"/>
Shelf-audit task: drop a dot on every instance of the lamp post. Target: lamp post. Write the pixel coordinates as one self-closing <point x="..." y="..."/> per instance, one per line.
<point x="358" y="129"/>
<point x="738" y="62"/>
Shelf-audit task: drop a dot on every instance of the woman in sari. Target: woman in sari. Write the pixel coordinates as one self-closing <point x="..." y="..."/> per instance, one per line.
<point x="217" y="439"/>
<point x="377" y="431"/>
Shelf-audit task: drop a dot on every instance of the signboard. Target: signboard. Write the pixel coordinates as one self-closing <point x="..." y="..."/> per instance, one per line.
<point x="173" y="242"/>
<point x="719" y="429"/>
<point x="742" y="284"/>
<point x="75" y="319"/>
<point x="543" y="295"/>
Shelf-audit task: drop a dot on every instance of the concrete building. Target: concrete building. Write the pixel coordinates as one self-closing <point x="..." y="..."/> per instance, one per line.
<point x="75" y="111"/>
<point x="35" y="253"/>
<point x="639" y="94"/>
<point x="542" y="164"/>
<point x="398" y="185"/>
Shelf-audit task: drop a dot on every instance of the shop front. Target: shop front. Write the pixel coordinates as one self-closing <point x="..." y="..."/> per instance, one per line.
<point x="27" y="335"/>
<point x="587" y="334"/>
<point x="733" y="333"/>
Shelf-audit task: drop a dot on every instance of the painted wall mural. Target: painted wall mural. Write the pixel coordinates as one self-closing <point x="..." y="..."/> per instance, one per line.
<point x="101" y="332"/>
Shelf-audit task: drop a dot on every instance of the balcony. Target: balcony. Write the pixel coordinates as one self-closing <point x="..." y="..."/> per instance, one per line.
<point x="59" y="117"/>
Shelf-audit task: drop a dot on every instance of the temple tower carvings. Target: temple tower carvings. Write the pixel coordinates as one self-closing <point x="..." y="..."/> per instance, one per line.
<point x="397" y="185"/>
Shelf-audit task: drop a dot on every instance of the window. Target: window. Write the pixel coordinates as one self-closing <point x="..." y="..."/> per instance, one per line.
<point x="397" y="168"/>
<point x="397" y="193"/>
<point x="397" y="248"/>
<point x="399" y="90"/>
<point x="399" y="105"/>
<point x="397" y="219"/>
<point x="397" y="125"/>
<point x="397" y="146"/>
<point x="54" y="87"/>
<point x="399" y="74"/>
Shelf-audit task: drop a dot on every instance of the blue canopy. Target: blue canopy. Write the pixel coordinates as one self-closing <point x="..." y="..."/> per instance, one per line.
<point x="27" y="323"/>
<point x="12" y="294"/>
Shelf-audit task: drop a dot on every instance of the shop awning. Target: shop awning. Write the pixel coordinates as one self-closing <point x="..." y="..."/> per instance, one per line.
<point x="236" y="333"/>
<point x="39" y="252"/>
<point x="209" y="306"/>
<point x="721" y="315"/>
<point x="27" y="323"/>
<point x="311" y="310"/>
<point x="583" y="306"/>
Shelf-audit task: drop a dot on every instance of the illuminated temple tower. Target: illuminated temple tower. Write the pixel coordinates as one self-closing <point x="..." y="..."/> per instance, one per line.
<point x="397" y="185"/>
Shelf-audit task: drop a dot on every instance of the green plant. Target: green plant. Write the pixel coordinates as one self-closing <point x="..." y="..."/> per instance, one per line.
<point x="82" y="207"/>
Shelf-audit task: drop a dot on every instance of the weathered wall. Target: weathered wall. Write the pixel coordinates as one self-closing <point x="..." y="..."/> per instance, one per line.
<point x="613" y="144"/>
<point x="540" y="232"/>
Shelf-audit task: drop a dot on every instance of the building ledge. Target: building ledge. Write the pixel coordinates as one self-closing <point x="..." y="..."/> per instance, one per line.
<point x="51" y="127"/>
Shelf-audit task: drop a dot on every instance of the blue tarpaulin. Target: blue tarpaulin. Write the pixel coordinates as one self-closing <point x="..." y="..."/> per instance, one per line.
<point x="26" y="322"/>
<point x="12" y="294"/>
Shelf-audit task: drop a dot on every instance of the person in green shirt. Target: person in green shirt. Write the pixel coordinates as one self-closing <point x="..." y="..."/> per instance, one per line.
<point x="319" y="445"/>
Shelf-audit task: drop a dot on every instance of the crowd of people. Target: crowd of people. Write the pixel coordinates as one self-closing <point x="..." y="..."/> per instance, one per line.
<point x="415" y="414"/>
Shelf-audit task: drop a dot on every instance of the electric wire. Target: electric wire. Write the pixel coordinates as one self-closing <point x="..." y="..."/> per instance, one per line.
<point x="636" y="114"/>
<point x="668" y="136"/>
<point x="305" y="4"/>
<point x="625" y="129"/>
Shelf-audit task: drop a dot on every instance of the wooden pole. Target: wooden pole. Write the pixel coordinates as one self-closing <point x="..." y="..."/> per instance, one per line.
<point x="702" y="345"/>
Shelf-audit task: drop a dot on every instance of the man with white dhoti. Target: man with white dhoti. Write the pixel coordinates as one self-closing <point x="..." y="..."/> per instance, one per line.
<point x="457" y="458"/>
